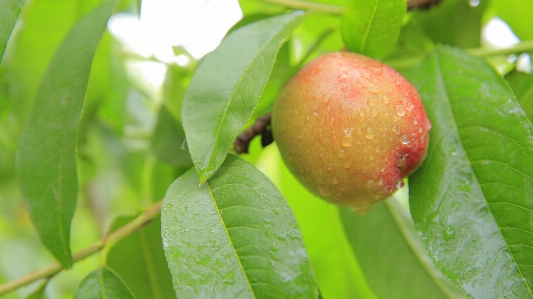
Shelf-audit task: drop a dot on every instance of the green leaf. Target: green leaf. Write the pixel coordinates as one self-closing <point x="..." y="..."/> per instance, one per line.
<point x="140" y="261"/>
<point x="472" y="198"/>
<point x="517" y="15"/>
<point x="9" y="13"/>
<point x="386" y="236"/>
<point x="168" y="141"/>
<point x="46" y="157"/>
<point x="372" y="27"/>
<point x="453" y="22"/>
<point x="234" y="236"/>
<point x="102" y="283"/>
<point x="337" y="271"/>
<point x="522" y="85"/>
<point x="226" y="87"/>
<point x="39" y="292"/>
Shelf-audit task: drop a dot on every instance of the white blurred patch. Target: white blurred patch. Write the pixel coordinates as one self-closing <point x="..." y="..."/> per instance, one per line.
<point x="197" y="25"/>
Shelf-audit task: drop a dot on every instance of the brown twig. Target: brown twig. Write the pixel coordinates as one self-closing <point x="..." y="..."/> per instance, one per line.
<point x="242" y="142"/>
<point x="339" y="10"/>
<point x="422" y="4"/>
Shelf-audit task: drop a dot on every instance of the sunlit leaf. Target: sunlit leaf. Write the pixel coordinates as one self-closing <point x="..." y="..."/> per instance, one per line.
<point x="46" y="157"/>
<point x="234" y="236"/>
<point x="472" y="198"/>
<point x="386" y="236"/>
<point x="371" y="27"/>
<point x="9" y="13"/>
<point x="102" y="283"/>
<point x="226" y="87"/>
<point x="140" y="261"/>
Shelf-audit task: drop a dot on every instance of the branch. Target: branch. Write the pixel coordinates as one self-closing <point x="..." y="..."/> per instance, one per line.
<point x="339" y="10"/>
<point x="242" y="142"/>
<point x="109" y="240"/>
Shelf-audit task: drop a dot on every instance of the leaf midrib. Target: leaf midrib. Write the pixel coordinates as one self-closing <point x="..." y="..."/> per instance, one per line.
<point x="367" y="31"/>
<point x="209" y="189"/>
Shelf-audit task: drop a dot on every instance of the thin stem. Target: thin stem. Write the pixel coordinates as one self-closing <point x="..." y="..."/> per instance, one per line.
<point x="107" y="242"/>
<point x="339" y="10"/>
<point x="308" y="5"/>
<point x="525" y="46"/>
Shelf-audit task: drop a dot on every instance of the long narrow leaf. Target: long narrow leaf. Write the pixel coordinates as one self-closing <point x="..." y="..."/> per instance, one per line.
<point x="9" y="13"/>
<point x="226" y="88"/>
<point x="46" y="157"/>
<point x="472" y="199"/>
<point x="234" y="237"/>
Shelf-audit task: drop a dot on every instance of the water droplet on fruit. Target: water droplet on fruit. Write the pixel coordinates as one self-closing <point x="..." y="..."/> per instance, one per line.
<point x="399" y="184"/>
<point x="416" y="121"/>
<point x="369" y="133"/>
<point x="342" y="78"/>
<point x="341" y="153"/>
<point x="361" y="116"/>
<point x="400" y="110"/>
<point x="374" y="112"/>
<point x="326" y="99"/>
<point x="343" y="88"/>
<point x="372" y="102"/>
<point x="378" y="148"/>
<point x="324" y="191"/>
<point x="359" y="132"/>
<point x="386" y="100"/>
<point x="315" y="113"/>
<point x="380" y="182"/>
<point x="382" y="169"/>
<point x="405" y="140"/>
<point x="371" y="157"/>
<point x="347" y="138"/>
<point x="419" y="130"/>
<point x="374" y="90"/>
<point x="408" y="104"/>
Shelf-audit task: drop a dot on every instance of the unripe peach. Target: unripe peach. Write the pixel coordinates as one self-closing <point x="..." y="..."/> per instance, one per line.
<point x="350" y="128"/>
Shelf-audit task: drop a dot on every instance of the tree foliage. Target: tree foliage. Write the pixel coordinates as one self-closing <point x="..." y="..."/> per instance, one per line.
<point x="140" y="191"/>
